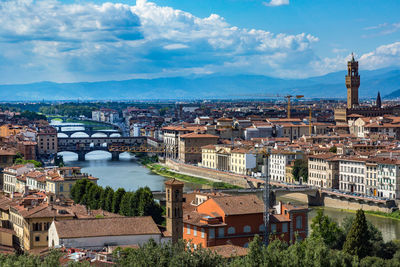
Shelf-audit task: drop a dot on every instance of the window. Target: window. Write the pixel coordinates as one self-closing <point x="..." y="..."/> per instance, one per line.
<point x="61" y="188"/>
<point x="284" y="227"/>
<point x="273" y="228"/>
<point x="188" y="229"/>
<point x="37" y="238"/>
<point x="261" y="228"/>
<point x="211" y="233"/>
<point x="299" y="222"/>
<point x="194" y="230"/>
<point x="247" y="229"/>
<point x="231" y="230"/>
<point x="46" y="226"/>
<point x="221" y="232"/>
<point x="202" y="232"/>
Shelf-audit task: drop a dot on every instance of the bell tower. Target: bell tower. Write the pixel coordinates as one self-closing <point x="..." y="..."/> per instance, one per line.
<point x="174" y="213"/>
<point x="352" y="83"/>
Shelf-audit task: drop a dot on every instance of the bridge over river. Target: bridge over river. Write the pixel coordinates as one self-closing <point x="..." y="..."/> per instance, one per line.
<point x="89" y="129"/>
<point x="84" y="145"/>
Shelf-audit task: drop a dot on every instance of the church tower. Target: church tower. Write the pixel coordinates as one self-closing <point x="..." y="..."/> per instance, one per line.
<point x="174" y="212"/>
<point x="352" y="83"/>
<point x="378" y="100"/>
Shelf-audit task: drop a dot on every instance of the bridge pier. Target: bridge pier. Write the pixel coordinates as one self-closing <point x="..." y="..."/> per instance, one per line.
<point x="114" y="155"/>
<point x="81" y="155"/>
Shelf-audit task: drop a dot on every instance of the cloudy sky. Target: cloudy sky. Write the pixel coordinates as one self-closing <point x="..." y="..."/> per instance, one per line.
<point x="69" y="41"/>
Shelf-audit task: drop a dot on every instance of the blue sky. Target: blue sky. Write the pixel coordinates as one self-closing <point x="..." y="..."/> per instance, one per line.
<point x="69" y="41"/>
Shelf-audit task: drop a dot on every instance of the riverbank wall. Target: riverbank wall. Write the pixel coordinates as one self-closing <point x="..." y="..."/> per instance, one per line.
<point x="353" y="205"/>
<point x="229" y="178"/>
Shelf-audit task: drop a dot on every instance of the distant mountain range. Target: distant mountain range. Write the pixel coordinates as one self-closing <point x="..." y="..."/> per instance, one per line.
<point x="387" y="81"/>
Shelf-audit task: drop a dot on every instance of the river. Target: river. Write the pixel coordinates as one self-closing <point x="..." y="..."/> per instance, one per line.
<point x="130" y="175"/>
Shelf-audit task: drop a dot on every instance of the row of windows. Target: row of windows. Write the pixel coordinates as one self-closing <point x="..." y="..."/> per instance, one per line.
<point x="352" y="169"/>
<point x="246" y="229"/>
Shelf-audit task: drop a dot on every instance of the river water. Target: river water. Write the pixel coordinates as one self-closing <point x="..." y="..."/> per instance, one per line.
<point x="130" y="175"/>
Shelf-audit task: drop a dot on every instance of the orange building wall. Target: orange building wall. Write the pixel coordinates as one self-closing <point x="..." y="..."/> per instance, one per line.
<point x="240" y="238"/>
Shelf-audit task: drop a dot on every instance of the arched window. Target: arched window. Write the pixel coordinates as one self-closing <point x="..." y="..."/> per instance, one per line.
<point x="261" y="228"/>
<point x="231" y="230"/>
<point x="247" y="229"/>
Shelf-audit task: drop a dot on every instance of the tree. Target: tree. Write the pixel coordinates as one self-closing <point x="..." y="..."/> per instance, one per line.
<point x="333" y="149"/>
<point x="358" y="240"/>
<point x="300" y="169"/>
<point x="378" y="246"/>
<point x="109" y="200"/>
<point x="117" y="199"/>
<point x="37" y="164"/>
<point x="126" y="204"/>
<point x="324" y="227"/>
<point x="78" y="190"/>
<point x="94" y="197"/>
<point x="85" y="200"/>
<point x="59" y="161"/>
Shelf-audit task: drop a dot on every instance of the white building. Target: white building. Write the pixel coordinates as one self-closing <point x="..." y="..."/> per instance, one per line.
<point x="10" y="176"/>
<point x="95" y="234"/>
<point x="278" y="161"/>
<point x="388" y="174"/>
<point x="352" y="175"/>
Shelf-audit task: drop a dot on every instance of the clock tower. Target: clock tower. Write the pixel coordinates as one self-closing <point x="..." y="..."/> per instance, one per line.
<point x="352" y="83"/>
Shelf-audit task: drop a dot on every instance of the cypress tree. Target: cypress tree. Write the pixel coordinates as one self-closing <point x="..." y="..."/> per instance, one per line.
<point x="357" y="240"/>
<point x="109" y="200"/>
<point x="78" y="190"/>
<point x="103" y="197"/>
<point x="125" y="207"/>
<point x="117" y="199"/>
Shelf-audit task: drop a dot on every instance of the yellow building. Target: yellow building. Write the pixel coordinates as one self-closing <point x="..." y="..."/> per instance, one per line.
<point x="242" y="160"/>
<point x="7" y="130"/>
<point x="60" y="181"/>
<point x="289" y="178"/>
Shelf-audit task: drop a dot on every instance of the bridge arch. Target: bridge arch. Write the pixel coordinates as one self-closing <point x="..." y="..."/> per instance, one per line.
<point x="99" y="134"/>
<point x="61" y="134"/>
<point x="79" y="134"/>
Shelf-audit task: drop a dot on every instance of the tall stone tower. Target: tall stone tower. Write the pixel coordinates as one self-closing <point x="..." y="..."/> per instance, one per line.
<point x="174" y="213"/>
<point x="378" y="100"/>
<point x="352" y="83"/>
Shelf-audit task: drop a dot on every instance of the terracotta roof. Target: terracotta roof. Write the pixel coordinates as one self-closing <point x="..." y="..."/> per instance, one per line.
<point x="173" y="182"/>
<point x="238" y="205"/>
<point x="5" y="203"/>
<point x="106" y="227"/>
<point x="197" y="135"/>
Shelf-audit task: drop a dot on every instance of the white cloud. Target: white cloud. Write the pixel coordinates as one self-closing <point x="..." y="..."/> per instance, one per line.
<point x="50" y="40"/>
<point x="381" y="57"/>
<point x="175" y="46"/>
<point x="382" y="29"/>
<point x="276" y="3"/>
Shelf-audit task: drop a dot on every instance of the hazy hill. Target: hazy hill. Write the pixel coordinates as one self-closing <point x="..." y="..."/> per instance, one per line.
<point x="212" y="86"/>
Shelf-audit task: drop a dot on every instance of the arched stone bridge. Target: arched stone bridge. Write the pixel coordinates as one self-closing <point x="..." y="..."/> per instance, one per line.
<point x="87" y="129"/>
<point x="84" y="145"/>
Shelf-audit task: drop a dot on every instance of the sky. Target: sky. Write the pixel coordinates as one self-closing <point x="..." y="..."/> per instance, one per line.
<point x="78" y="40"/>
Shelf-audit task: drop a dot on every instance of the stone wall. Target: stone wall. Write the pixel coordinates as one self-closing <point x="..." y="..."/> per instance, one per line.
<point x="225" y="177"/>
<point x="352" y="205"/>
